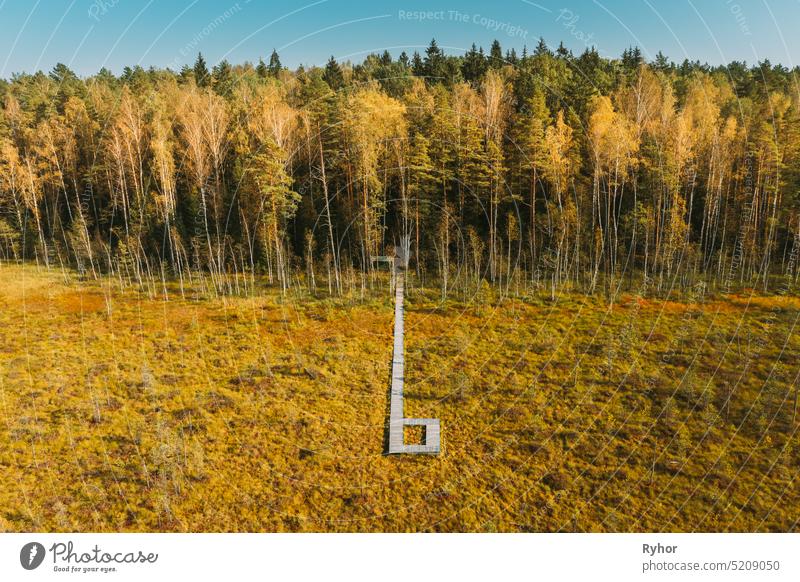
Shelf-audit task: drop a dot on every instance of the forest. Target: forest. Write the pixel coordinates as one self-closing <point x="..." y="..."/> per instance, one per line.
<point x="535" y="170"/>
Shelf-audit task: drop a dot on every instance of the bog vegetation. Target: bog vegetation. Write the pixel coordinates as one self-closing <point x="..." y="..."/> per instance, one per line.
<point x="267" y="412"/>
<point x="600" y="306"/>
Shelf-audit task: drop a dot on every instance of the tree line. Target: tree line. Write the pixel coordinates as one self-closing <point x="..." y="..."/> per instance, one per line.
<point x="542" y="169"/>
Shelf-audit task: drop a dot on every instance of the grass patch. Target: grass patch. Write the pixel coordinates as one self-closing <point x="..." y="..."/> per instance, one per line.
<point x="414" y="435"/>
<point x="120" y="412"/>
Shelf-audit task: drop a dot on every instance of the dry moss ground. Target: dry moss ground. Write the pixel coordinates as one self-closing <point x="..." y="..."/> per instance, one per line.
<point x="120" y="412"/>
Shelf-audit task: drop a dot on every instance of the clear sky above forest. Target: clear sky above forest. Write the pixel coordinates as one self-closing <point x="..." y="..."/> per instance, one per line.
<point x="90" y="34"/>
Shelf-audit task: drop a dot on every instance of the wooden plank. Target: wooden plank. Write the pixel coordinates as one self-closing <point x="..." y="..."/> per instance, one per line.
<point x="397" y="422"/>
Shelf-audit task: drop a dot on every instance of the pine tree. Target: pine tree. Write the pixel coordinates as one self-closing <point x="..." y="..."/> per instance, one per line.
<point x="222" y="78"/>
<point x="474" y="65"/>
<point x="333" y="74"/>
<point x="201" y="75"/>
<point x="496" y="55"/>
<point x="274" y="66"/>
<point x="417" y="66"/>
<point x="261" y="69"/>
<point x="511" y="57"/>
<point x="435" y="67"/>
<point x="541" y="48"/>
<point x="186" y="74"/>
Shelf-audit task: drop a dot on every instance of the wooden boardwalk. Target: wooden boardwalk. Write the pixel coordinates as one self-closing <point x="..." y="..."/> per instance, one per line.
<point x="397" y="422"/>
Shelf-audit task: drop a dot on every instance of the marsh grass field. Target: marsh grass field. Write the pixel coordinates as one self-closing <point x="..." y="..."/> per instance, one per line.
<point x="125" y="411"/>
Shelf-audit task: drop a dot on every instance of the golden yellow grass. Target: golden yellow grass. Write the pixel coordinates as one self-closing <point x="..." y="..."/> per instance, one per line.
<point x="121" y="412"/>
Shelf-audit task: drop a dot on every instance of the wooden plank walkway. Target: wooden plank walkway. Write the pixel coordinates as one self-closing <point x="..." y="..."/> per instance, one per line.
<point x="397" y="422"/>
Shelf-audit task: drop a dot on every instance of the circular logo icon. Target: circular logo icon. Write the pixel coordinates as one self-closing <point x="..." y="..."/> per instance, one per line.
<point x="31" y="555"/>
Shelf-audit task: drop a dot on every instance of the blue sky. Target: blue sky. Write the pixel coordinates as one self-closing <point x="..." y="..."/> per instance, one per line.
<point x="89" y="34"/>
